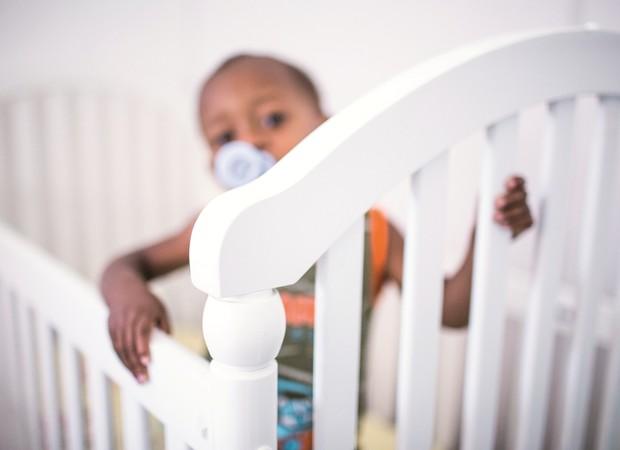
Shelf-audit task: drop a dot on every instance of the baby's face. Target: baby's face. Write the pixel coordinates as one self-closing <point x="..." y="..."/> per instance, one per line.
<point x="257" y="103"/>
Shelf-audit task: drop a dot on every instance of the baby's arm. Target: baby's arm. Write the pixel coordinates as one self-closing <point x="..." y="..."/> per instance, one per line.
<point x="134" y="310"/>
<point x="511" y="211"/>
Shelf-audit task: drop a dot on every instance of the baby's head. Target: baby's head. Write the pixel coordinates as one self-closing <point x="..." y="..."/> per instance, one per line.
<point x="261" y="101"/>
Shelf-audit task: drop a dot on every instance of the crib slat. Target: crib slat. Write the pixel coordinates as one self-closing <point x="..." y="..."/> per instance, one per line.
<point x="608" y="433"/>
<point x="99" y="408"/>
<point x="604" y="161"/>
<point x="149" y="184"/>
<point x="120" y="162"/>
<point x="49" y="385"/>
<point x="25" y="153"/>
<point x="7" y="183"/>
<point x="135" y="424"/>
<point x="90" y="178"/>
<point x="71" y="383"/>
<point x="28" y="379"/>
<point x="10" y="410"/>
<point x="173" y="203"/>
<point x="62" y="189"/>
<point x="338" y="313"/>
<point x="538" y="334"/>
<point x="173" y="441"/>
<point x="5" y="376"/>
<point x="484" y="345"/>
<point x="609" y="428"/>
<point x="421" y="307"/>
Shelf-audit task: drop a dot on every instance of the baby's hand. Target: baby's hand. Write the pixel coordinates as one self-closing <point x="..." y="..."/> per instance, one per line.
<point x="130" y="324"/>
<point x="511" y="208"/>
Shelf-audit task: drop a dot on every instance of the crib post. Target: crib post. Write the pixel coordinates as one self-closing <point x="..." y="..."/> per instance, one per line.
<point x="243" y="334"/>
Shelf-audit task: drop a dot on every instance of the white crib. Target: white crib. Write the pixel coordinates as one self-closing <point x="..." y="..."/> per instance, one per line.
<point x="240" y="252"/>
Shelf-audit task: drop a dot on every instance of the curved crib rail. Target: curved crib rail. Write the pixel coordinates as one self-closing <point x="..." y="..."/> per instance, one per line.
<point x="41" y="298"/>
<point x="428" y="108"/>
<point x="312" y="201"/>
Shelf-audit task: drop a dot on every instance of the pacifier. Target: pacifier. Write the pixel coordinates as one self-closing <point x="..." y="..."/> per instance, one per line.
<point x="238" y="162"/>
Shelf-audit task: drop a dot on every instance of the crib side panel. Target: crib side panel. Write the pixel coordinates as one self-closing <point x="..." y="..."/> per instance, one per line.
<point x="62" y="190"/>
<point x="89" y="172"/>
<point x="538" y="337"/>
<point x="604" y="162"/>
<point x="12" y="403"/>
<point x="608" y="434"/>
<point x="337" y="334"/>
<point x="46" y="352"/>
<point x="135" y="424"/>
<point x="29" y="386"/>
<point x="100" y="412"/>
<point x="488" y="295"/>
<point x="55" y="321"/>
<point x="72" y="383"/>
<point x="421" y="308"/>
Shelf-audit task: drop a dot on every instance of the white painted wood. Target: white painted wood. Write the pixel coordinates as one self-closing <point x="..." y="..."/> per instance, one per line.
<point x="100" y="408"/>
<point x="72" y="383"/>
<point x="173" y="441"/>
<point x="25" y="148"/>
<point x="150" y="178"/>
<point x="176" y="374"/>
<point x="92" y="180"/>
<point x="313" y="171"/>
<point x="421" y="308"/>
<point x="10" y="412"/>
<point x="244" y="335"/>
<point x="539" y="324"/>
<point x="173" y="172"/>
<point x="27" y="378"/>
<point x="337" y="334"/>
<point x="243" y="218"/>
<point x="609" y="427"/>
<point x="485" y="343"/>
<point x="46" y="353"/>
<point x="60" y="296"/>
<point x="5" y="376"/>
<point x="7" y="197"/>
<point x="135" y="423"/>
<point x="169" y="170"/>
<point x="120" y="162"/>
<point x="608" y="433"/>
<point x="604" y="162"/>
<point x="62" y="190"/>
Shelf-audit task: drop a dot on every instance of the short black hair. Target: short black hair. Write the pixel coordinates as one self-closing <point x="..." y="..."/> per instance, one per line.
<point x="300" y="77"/>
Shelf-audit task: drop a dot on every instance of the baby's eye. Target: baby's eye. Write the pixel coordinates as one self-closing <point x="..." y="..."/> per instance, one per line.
<point x="225" y="137"/>
<point x="274" y="120"/>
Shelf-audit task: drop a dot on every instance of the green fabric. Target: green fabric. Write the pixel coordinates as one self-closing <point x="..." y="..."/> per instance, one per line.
<point x="295" y="358"/>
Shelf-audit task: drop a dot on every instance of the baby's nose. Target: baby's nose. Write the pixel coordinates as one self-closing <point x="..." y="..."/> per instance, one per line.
<point x="255" y="140"/>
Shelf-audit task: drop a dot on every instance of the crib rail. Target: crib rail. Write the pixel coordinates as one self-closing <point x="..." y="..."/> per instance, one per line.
<point x="52" y="320"/>
<point x="75" y="157"/>
<point x="242" y="241"/>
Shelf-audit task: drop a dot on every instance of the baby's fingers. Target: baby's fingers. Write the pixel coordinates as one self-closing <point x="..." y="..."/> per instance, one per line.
<point x="510" y="200"/>
<point x="164" y="323"/>
<point x="520" y="226"/>
<point x="515" y="182"/>
<point x="142" y="337"/>
<point x="512" y="215"/>
<point x="517" y="219"/>
<point x="130" y="352"/>
<point x="115" y="328"/>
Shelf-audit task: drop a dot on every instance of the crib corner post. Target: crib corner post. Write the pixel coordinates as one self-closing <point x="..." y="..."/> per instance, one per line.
<point x="244" y="334"/>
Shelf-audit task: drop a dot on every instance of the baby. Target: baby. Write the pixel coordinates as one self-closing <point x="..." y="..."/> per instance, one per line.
<point x="262" y="107"/>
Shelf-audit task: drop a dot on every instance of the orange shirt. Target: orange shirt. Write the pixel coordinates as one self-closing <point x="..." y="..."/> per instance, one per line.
<point x="299" y="307"/>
